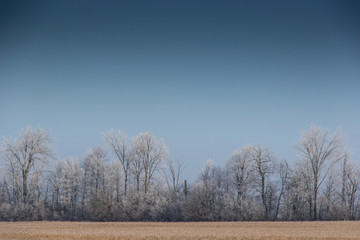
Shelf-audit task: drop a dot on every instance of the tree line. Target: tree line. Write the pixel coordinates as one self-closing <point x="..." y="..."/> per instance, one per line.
<point x="133" y="179"/>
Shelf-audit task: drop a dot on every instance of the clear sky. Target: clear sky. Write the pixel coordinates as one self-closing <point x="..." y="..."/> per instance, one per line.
<point x="206" y="76"/>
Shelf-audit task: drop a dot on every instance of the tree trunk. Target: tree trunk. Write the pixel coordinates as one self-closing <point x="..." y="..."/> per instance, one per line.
<point x="126" y="180"/>
<point x="315" y="200"/>
<point x="263" y="196"/>
<point x="138" y="184"/>
<point x="25" y="191"/>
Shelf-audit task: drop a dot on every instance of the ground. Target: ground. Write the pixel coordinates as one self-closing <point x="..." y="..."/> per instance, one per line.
<point x="199" y="230"/>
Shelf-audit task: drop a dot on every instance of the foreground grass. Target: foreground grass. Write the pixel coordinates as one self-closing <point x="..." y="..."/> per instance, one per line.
<point x="203" y="230"/>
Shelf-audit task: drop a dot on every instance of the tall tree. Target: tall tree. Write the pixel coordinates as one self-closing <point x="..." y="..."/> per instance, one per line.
<point x="120" y="146"/>
<point x="240" y="172"/>
<point x="94" y="183"/>
<point x="200" y="206"/>
<point x="172" y="176"/>
<point x="70" y="183"/>
<point x="27" y="155"/>
<point x="95" y="166"/>
<point x="262" y="161"/>
<point x="350" y="183"/>
<point x="151" y="152"/>
<point x="319" y="150"/>
<point x="283" y="184"/>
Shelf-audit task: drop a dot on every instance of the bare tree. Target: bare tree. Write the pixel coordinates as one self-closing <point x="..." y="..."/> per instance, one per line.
<point x="319" y="150"/>
<point x="27" y="156"/>
<point x="301" y="192"/>
<point x="150" y="152"/>
<point x="172" y="176"/>
<point x="94" y="166"/>
<point x="202" y="198"/>
<point x="262" y="160"/>
<point x="240" y="172"/>
<point x="350" y="183"/>
<point x="114" y="178"/>
<point x="137" y="167"/>
<point x="284" y="172"/>
<point x="94" y="184"/>
<point x="323" y="184"/>
<point x="12" y="181"/>
<point x="54" y="181"/>
<point x="120" y="146"/>
<point x="70" y="183"/>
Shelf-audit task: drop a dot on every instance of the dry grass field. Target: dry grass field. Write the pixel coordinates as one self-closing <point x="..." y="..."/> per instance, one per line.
<point x="203" y="230"/>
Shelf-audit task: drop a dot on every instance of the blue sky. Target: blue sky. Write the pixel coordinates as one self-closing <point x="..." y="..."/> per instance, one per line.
<point x="206" y="76"/>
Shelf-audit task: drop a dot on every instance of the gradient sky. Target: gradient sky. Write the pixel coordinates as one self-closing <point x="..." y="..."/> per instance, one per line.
<point x="206" y="76"/>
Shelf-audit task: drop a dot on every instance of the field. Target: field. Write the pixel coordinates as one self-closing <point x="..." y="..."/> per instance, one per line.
<point x="203" y="230"/>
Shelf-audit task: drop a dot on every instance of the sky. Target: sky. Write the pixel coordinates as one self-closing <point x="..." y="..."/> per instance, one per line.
<point x="206" y="76"/>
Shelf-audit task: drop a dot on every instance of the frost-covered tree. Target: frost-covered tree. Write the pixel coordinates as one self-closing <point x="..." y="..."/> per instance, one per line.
<point x="263" y="167"/>
<point x="172" y="173"/>
<point x="114" y="179"/>
<point x="70" y="184"/>
<point x="101" y="187"/>
<point x="149" y="152"/>
<point x="283" y="170"/>
<point x="323" y="184"/>
<point x="300" y="193"/>
<point x="241" y="173"/>
<point x="201" y="200"/>
<point x="209" y="198"/>
<point x="54" y="187"/>
<point x="350" y="184"/>
<point x="94" y="167"/>
<point x="318" y="151"/>
<point x="94" y="185"/>
<point x="25" y="159"/>
<point x="121" y="147"/>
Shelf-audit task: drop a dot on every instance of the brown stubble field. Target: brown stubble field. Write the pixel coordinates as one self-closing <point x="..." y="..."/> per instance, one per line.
<point x="199" y="230"/>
